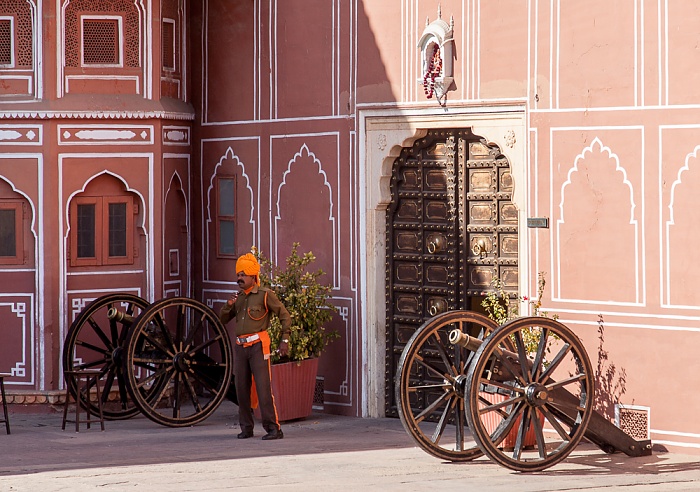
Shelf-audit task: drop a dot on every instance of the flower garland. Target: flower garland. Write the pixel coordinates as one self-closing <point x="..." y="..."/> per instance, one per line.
<point x="434" y="70"/>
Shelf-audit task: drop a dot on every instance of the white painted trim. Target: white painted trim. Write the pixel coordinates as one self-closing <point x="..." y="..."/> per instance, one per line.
<point x="38" y="129"/>
<point x="134" y="78"/>
<point x="254" y="197"/>
<point x="63" y="236"/>
<point x="188" y="197"/>
<point x="334" y="218"/>
<point x="105" y="134"/>
<point x="27" y="78"/>
<point x="37" y="229"/>
<point x="638" y="223"/>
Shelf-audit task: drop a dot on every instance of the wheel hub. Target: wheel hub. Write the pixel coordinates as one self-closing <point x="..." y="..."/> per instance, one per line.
<point x="182" y="361"/>
<point x="536" y="394"/>
<point x="117" y="356"/>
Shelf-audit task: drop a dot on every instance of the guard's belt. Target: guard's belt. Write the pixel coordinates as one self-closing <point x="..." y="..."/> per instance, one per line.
<point x="248" y="339"/>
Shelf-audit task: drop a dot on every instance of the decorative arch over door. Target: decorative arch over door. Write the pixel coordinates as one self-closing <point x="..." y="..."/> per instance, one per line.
<point x="452" y="229"/>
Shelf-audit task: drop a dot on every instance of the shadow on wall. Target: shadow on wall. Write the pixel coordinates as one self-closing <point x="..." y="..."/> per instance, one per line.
<point x="610" y="382"/>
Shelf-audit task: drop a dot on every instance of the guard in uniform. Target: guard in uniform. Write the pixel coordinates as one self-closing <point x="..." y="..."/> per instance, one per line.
<point x="251" y="309"/>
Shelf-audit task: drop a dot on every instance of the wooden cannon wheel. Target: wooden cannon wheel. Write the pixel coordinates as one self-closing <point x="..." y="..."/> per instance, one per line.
<point x="180" y="342"/>
<point x="94" y="341"/>
<point x="430" y="385"/>
<point x="550" y="394"/>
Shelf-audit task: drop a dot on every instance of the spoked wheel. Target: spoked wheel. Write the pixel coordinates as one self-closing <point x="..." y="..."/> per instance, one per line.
<point x="531" y="412"/>
<point x="96" y="342"/>
<point x="181" y="342"/>
<point x="430" y="388"/>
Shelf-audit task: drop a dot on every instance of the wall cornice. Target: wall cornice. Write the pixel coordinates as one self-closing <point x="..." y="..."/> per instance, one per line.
<point x="91" y="115"/>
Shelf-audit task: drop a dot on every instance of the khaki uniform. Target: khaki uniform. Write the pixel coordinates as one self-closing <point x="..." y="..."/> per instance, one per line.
<point x="252" y="314"/>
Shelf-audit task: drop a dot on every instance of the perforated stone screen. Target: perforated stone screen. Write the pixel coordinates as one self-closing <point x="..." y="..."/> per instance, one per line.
<point x="633" y="421"/>
<point x="5" y="42"/>
<point x="168" y="45"/>
<point x="100" y="41"/>
<point x="131" y="25"/>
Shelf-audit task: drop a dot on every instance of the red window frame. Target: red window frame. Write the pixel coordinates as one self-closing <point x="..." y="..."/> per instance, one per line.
<point x="101" y="231"/>
<point x="224" y="218"/>
<point x="18" y="207"/>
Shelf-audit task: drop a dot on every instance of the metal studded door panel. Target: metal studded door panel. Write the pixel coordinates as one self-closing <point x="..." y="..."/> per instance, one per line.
<point x="451" y="229"/>
<point x="492" y="222"/>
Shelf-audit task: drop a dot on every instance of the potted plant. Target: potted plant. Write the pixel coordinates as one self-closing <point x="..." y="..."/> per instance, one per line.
<point x="308" y="303"/>
<point x="501" y="308"/>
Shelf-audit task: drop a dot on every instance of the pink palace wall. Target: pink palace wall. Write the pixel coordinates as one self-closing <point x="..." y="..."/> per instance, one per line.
<point x="612" y="116"/>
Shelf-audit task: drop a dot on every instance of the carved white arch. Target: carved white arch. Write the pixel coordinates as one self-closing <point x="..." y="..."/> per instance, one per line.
<point x="26" y="197"/>
<point x="128" y="188"/>
<point x="228" y="155"/>
<point x="303" y="153"/>
<point x="597" y="145"/>
<point x="602" y="149"/>
<point x="671" y="222"/>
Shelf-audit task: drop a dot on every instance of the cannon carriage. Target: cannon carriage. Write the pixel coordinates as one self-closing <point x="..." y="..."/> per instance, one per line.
<point x="170" y="360"/>
<point x="467" y="387"/>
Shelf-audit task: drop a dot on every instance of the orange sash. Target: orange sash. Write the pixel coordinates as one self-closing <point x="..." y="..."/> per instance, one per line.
<point x="265" y="340"/>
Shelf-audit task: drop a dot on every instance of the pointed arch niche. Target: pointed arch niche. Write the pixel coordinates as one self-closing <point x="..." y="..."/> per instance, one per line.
<point x="382" y="134"/>
<point x="597" y="204"/>
<point x="231" y="172"/>
<point x="681" y="265"/>
<point x="310" y="220"/>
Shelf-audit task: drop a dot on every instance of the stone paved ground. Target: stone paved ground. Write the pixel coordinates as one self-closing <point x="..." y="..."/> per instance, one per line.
<point x="324" y="453"/>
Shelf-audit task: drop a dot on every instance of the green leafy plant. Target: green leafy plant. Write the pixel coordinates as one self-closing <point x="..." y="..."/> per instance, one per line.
<point x="501" y="307"/>
<point x="306" y="299"/>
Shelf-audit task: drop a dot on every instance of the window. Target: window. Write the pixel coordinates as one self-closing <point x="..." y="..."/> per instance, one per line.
<point x="102" y="231"/>
<point x="6" y="38"/>
<point x="101" y="41"/>
<point x="226" y="216"/>
<point x="168" y="45"/>
<point x="11" y="233"/>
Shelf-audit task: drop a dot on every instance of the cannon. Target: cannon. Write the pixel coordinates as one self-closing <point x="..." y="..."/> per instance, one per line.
<point x="170" y="360"/>
<point x="467" y="387"/>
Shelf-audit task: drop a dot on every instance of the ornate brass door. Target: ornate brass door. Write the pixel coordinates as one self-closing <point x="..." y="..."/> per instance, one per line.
<point x="451" y="230"/>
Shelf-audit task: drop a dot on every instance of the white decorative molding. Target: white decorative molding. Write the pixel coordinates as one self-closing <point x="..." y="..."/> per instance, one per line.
<point x="210" y="211"/>
<point x="21" y="134"/>
<point x="176" y="135"/>
<point x="25" y="315"/>
<point x="510" y="138"/>
<point x="26" y="78"/>
<point x="9" y="134"/>
<point x="105" y="134"/>
<point x="96" y="115"/>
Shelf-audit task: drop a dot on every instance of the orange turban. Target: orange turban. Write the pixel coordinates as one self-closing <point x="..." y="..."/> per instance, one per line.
<point x="249" y="265"/>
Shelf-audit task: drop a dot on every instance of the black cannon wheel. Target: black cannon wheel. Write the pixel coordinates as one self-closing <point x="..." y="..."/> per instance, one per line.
<point x="430" y="387"/>
<point x="182" y="342"/>
<point x="94" y="341"/>
<point x="533" y="406"/>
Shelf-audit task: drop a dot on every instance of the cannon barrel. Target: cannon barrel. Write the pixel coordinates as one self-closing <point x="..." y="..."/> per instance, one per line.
<point x="120" y="316"/>
<point x="458" y="337"/>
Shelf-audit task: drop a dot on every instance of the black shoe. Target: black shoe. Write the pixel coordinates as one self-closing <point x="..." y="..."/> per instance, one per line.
<point x="245" y="434"/>
<point x="273" y="434"/>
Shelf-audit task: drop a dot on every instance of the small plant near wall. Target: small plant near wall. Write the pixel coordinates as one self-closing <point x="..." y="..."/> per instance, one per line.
<point x="306" y="299"/>
<point x="501" y="308"/>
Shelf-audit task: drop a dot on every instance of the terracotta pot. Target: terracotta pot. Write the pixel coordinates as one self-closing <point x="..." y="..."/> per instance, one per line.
<point x="293" y="385"/>
<point x="493" y="419"/>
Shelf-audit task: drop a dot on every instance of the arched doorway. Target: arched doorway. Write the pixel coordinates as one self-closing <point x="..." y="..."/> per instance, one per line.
<point x="452" y="228"/>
